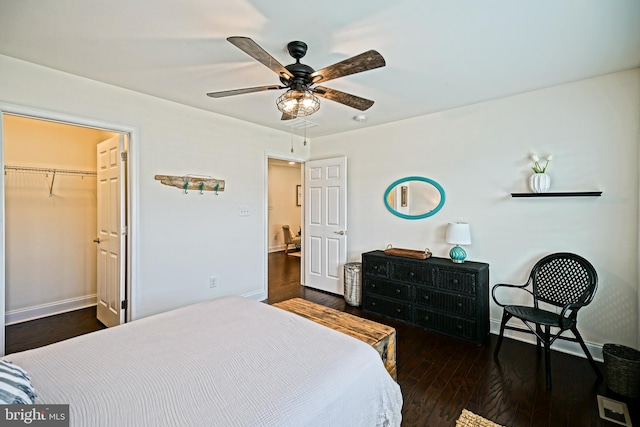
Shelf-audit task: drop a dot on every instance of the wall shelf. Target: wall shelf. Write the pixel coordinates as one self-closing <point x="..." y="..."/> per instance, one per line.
<point x="560" y="194"/>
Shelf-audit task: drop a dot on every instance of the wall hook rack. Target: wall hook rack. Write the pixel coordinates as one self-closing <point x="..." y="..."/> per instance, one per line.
<point x="192" y="182"/>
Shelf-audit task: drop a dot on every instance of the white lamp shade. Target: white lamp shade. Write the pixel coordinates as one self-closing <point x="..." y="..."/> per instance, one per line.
<point x="458" y="233"/>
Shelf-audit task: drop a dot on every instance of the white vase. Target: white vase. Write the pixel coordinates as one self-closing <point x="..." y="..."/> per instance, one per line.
<point x="540" y="182"/>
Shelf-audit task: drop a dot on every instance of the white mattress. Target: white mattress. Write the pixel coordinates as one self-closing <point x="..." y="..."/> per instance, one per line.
<point x="226" y="362"/>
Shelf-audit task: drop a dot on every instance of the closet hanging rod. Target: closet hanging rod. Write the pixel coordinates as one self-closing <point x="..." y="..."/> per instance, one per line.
<point x="49" y="170"/>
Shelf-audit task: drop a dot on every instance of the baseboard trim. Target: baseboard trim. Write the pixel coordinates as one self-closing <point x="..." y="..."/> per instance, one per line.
<point x="560" y="345"/>
<point x="44" y="310"/>
<point x="258" y="295"/>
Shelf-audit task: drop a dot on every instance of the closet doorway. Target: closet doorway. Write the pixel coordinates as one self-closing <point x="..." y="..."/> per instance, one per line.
<point x="51" y="217"/>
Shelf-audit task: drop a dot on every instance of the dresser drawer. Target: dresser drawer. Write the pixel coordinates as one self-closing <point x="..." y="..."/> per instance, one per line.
<point x="375" y="267"/>
<point x="388" y="289"/>
<point x="380" y="305"/>
<point x="457" y="281"/>
<point x="453" y="303"/>
<point x="451" y="325"/>
<point x="409" y="273"/>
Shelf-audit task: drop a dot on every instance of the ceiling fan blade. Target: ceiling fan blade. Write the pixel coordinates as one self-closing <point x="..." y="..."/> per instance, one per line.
<point x="343" y="98"/>
<point x="232" y="92"/>
<point x="252" y="49"/>
<point x="357" y="64"/>
<point x="289" y="116"/>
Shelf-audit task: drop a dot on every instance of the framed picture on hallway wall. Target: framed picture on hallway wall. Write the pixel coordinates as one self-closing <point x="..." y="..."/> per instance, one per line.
<point x="298" y="195"/>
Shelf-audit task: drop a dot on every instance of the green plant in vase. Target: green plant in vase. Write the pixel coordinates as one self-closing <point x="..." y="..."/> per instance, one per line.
<point x="536" y="164"/>
<point x="540" y="182"/>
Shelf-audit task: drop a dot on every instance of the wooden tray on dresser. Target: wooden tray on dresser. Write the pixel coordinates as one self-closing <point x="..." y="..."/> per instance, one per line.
<point x="408" y="253"/>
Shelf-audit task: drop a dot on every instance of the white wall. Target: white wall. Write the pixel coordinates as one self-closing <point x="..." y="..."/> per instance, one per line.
<point x="480" y="154"/>
<point x="282" y="203"/>
<point x="182" y="239"/>
<point x="50" y="258"/>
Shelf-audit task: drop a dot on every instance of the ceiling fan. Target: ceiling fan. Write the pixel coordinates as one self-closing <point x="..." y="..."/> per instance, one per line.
<point x="300" y="80"/>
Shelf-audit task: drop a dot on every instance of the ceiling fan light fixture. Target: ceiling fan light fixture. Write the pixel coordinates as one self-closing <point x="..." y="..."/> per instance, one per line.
<point x="298" y="103"/>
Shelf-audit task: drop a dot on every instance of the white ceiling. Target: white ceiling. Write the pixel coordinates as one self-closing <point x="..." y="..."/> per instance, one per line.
<point x="440" y="54"/>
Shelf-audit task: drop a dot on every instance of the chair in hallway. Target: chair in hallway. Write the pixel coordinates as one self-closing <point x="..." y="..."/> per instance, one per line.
<point x="563" y="281"/>
<point x="289" y="239"/>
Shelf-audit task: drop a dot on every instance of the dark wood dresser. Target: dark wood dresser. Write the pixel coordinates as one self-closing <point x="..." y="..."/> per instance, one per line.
<point x="434" y="293"/>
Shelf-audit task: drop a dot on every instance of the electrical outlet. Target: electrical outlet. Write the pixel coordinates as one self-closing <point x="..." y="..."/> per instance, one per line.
<point x="213" y="281"/>
<point x="244" y="211"/>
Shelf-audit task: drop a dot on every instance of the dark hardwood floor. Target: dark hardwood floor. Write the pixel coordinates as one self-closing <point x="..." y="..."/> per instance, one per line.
<point x="41" y="332"/>
<point x="439" y="375"/>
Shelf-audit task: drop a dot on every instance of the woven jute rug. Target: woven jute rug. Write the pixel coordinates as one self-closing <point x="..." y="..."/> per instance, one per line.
<point x="469" y="419"/>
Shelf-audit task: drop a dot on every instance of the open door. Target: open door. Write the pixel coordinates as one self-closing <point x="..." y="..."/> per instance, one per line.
<point x="111" y="232"/>
<point x="325" y="218"/>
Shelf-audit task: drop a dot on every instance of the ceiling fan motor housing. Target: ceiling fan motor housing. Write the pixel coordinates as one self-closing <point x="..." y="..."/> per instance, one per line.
<point x="301" y="75"/>
<point x="301" y="72"/>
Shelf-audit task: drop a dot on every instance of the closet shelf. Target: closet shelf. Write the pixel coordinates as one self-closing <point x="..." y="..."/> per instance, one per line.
<point x="52" y="171"/>
<point x="49" y="170"/>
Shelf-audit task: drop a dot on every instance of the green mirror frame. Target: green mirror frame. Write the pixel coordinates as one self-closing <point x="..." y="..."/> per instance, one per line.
<point x="415" y="178"/>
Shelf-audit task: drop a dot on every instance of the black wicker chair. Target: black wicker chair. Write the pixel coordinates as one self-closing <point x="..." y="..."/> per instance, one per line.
<point x="562" y="280"/>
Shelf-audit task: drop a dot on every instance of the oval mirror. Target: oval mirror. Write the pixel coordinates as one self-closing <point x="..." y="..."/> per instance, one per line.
<point x="414" y="197"/>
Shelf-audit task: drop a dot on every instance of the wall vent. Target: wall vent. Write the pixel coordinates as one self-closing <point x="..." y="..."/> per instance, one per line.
<point x="613" y="411"/>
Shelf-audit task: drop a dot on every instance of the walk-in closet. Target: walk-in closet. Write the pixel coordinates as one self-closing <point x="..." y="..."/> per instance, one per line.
<point x="51" y="215"/>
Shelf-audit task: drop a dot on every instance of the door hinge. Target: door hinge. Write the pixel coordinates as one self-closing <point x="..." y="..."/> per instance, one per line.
<point x="123" y="304"/>
<point x="123" y="156"/>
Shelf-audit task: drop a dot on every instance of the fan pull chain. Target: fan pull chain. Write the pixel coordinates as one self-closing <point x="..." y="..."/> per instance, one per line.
<point x="292" y="139"/>
<point x="305" y="135"/>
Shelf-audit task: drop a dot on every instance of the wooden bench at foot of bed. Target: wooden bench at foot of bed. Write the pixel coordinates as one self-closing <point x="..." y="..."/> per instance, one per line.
<point x="379" y="336"/>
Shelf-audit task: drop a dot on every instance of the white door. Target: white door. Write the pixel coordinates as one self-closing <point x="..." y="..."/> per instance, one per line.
<point x="325" y="219"/>
<point x="111" y="232"/>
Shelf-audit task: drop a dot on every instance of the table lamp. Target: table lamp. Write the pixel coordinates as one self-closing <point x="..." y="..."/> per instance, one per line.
<point x="458" y="234"/>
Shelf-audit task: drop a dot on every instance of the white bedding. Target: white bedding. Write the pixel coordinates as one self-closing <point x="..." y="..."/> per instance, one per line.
<point x="226" y="362"/>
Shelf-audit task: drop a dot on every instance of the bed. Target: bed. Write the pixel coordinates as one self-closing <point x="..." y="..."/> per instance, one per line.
<point x="226" y="362"/>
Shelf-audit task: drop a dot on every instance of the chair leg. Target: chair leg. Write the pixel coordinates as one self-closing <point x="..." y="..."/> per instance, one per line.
<point x="286" y="248"/>
<point x="505" y="318"/>
<point x="586" y="351"/>
<point x="547" y="354"/>
<point x="538" y="335"/>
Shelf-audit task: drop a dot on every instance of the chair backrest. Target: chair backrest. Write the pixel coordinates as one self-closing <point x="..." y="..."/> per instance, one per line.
<point x="287" y="234"/>
<point x="564" y="278"/>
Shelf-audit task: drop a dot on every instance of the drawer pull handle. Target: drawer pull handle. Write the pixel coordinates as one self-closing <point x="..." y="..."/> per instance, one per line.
<point x="454" y="281"/>
<point x="426" y="297"/>
<point x="398" y="290"/>
<point x="375" y="267"/>
<point x="373" y="285"/>
<point x="459" y="305"/>
<point x="411" y="274"/>
<point x="373" y="303"/>
<point x="459" y="327"/>
<point x="426" y="317"/>
<point x="398" y="310"/>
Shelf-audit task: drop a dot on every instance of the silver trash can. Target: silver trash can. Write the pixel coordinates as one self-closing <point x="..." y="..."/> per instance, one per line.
<point x="353" y="283"/>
